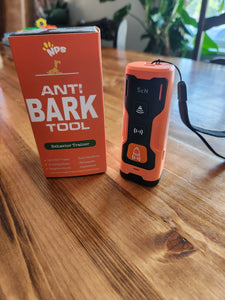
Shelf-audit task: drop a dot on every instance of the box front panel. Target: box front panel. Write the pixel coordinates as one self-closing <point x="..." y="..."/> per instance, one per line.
<point x="61" y="80"/>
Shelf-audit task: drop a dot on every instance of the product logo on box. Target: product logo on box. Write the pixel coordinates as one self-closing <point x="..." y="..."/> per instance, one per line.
<point x="63" y="106"/>
<point x="52" y="50"/>
<point x="66" y="107"/>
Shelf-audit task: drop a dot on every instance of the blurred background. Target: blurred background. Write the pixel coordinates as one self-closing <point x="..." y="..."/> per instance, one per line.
<point x="159" y="26"/>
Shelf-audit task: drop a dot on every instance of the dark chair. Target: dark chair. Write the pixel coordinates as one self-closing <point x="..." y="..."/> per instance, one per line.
<point x="218" y="60"/>
<point x="203" y="25"/>
<point x="116" y="32"/>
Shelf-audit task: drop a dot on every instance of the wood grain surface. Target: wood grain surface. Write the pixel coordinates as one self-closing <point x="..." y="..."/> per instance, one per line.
<point x="100" y="236"/>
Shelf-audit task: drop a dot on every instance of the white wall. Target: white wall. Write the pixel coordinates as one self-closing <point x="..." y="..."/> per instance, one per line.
<point x="90" y="10"/>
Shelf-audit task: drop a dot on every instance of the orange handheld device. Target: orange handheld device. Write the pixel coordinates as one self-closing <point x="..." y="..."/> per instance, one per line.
<point x="148" y="91"/>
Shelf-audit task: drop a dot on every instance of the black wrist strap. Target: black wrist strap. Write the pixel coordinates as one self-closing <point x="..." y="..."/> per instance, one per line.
<point x="182" y="97"/>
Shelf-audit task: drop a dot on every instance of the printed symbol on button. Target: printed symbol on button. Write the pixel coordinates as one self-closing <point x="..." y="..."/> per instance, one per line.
<point x="140" y="110"/>
<point x="140" y="131"/>
<point x="136" y="154"/>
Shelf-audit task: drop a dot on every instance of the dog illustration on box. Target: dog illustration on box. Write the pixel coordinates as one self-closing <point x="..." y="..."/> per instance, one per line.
<point x="55" y="69"/>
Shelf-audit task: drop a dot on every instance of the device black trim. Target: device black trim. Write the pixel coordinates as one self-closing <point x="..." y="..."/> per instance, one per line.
<point x="155" y="102"/>
<point x="139" y="179"/>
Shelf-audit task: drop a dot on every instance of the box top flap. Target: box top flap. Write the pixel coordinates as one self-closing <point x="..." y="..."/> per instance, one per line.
<point x="44" y="31"/>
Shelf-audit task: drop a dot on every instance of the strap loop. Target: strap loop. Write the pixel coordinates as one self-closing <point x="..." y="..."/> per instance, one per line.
<point x="183" y="109"/>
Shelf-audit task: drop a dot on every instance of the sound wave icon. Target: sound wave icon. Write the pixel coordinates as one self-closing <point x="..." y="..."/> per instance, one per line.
<point x="139" y="110"/>
<point x="141" y="131"/>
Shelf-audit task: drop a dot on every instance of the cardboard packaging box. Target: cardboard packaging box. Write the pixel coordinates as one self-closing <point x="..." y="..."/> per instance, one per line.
<point x="61" y="79"/>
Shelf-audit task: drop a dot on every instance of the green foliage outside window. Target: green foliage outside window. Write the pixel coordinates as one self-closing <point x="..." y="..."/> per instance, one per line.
<point x="167" y="26"/>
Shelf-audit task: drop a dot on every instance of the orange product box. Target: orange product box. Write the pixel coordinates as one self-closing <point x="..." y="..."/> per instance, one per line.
<point x="61" y="79"/>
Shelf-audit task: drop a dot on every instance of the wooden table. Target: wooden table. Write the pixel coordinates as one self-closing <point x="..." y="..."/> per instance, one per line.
<point x="102" y="237"/>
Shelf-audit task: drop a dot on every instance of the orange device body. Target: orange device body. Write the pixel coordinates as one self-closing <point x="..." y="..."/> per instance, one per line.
<point x="60" y="75"/>
<point x="148" y="92"/>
